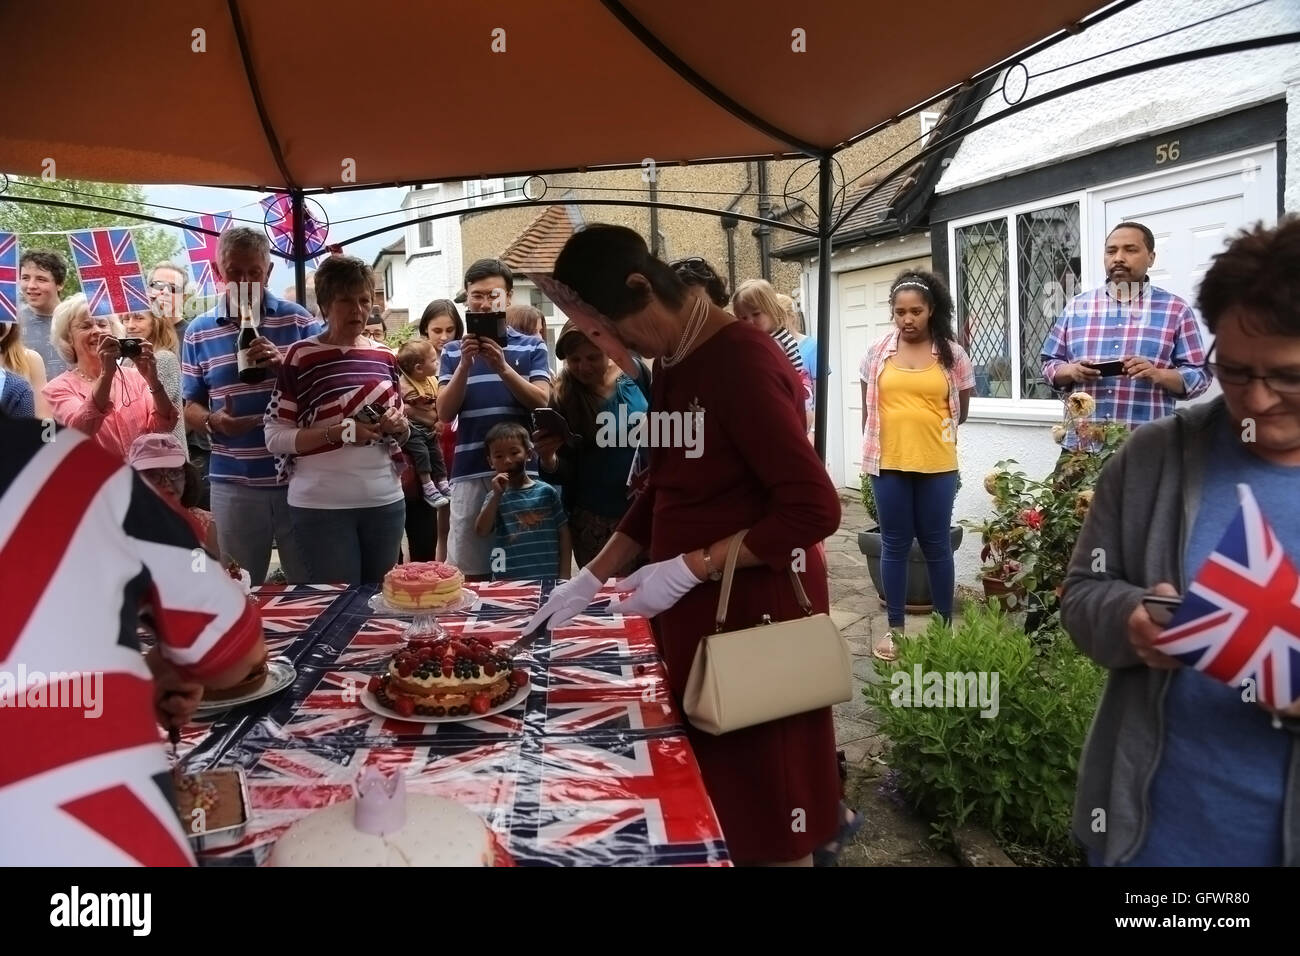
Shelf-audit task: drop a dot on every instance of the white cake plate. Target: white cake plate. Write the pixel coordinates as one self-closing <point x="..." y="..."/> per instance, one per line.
<point x="280" y="674"/>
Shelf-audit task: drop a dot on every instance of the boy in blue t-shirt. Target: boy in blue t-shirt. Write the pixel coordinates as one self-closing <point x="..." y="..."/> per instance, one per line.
<point x="525" y="515"/>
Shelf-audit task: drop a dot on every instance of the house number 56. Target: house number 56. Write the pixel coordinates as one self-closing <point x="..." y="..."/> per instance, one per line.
<point x="1167" y="153"/>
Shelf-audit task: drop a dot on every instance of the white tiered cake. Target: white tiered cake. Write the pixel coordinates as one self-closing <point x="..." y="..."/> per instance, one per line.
<point x="385" y="826"/>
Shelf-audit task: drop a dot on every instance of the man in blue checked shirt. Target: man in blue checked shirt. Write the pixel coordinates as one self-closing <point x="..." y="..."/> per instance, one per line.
<point x="1151" y="332"/>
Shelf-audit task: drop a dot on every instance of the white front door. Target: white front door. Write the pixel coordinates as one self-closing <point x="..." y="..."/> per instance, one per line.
<point x="1193" y="212"/>
<point x="863" y="297"/>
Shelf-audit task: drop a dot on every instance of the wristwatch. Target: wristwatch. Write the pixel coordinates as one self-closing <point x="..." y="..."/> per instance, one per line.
<point x="713" y="573"/>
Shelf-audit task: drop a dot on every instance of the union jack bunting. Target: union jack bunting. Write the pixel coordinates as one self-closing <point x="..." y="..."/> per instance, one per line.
<point x="202" y="249"/>
<point x="109" y="270"/>
<point x="279" y="221"/>
<point x="1240" y="620"/>
<point x="8" y="277"/>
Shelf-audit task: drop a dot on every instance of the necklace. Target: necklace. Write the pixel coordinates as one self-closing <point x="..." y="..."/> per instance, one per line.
<point x="694" y="324"/>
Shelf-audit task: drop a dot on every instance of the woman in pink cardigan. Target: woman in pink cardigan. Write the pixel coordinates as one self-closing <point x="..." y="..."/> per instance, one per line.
<point x="112" y="404"/>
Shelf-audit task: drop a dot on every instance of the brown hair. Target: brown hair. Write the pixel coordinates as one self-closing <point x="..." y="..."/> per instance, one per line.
<point x="1259" y="272"/>
<point x="526" y="319"/>
<point x="13" y="354"/>
<point x="412" y="353"/>
<point x="338" y="275"/>
<point x="161" y="331"/>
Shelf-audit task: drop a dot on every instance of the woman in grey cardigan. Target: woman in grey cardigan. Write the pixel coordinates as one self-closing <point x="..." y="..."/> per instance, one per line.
<point x="1179" y="769"/>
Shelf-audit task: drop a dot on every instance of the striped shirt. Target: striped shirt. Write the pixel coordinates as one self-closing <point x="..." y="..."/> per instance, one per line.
<point x="788" y="344"/>
<point x="210" y="375"/>
<point x="488" y="401"/>
<point x="961" y="378"/>
<point x="528" y="530"/>
<point x="320" y="385"/>
<point x="1157" y="325"/>
<point x="86" y="546"/>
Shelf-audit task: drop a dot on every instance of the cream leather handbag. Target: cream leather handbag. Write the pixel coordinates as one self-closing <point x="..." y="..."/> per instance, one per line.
<point x="742" y="678"/>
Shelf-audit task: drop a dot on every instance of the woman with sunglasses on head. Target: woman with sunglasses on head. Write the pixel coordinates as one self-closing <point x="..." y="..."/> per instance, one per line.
<point x="22" y="362"/>
<point x="157" y="329"/>
<point x="1190" y="771"/>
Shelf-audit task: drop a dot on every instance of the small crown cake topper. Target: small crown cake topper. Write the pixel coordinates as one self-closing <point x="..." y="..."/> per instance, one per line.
<point x="381" y="801"/>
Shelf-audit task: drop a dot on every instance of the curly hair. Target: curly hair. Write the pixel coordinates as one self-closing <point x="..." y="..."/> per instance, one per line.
<point x="932" y="289"/>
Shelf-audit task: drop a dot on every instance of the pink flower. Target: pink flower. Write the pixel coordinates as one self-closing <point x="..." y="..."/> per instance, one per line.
<point x="1032" y="517"/>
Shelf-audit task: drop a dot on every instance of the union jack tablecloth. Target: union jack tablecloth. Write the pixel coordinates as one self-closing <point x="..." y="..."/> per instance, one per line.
<point x="593" y="768"/>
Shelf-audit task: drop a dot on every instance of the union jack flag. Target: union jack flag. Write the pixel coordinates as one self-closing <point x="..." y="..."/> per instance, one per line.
<point x="590" y="636"/>
<point x="279" y="220"/>
<point x="509" y="597"/>
<point x="8" y="277"/>
<point x="608" y="802"/>
<point x="109" y="270"/>
<point x="202" y="249"/>
<point x="1240" y="620"/>
<point x="608" y="697"/>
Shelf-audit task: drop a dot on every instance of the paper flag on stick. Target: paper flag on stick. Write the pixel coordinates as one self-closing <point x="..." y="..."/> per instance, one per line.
<point x="589" y="321"/>
<point x="8" y="277"/>
<point x="1240" y="620"/>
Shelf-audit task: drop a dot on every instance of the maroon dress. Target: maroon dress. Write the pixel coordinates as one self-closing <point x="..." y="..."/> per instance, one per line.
<point x="775" y="786"/>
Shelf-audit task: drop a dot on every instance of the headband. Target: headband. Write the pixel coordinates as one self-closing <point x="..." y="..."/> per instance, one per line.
<point x="911" y="284"/>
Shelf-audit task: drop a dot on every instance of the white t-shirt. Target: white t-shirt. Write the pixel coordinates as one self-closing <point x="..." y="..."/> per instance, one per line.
<point x="350" y="476"/>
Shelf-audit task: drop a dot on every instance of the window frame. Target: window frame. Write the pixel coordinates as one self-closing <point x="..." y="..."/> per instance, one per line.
<point x="1019" y="409"/>
<point x="928" y="119"/>
<point x="475" y="188"/>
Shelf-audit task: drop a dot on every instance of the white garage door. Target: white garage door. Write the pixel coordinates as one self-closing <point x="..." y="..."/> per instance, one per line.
<point x="863" y="297"/>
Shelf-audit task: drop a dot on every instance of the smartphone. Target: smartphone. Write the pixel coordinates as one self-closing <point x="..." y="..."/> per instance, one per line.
<point x="551" y="422"/>
<point x="370" y="414"/>
<point x="487" y="325"/>
<point x="1161" y="607"/>
<point x="1107" y="368"/>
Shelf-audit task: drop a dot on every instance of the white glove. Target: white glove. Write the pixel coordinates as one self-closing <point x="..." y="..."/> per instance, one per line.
<point x="655" y="588"/>
<point x="566" y="602"/>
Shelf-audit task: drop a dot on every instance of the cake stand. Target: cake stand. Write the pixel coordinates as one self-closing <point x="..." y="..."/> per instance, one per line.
<point x="424" y="621"/>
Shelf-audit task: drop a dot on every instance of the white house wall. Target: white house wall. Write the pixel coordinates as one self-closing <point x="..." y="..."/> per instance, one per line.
<point x="1291" y="197"/>
<point x="1142" y="104"/>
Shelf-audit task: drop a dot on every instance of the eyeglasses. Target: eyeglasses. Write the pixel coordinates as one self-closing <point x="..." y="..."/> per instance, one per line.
<point x="159" y="286"/>
<point x="1283" y="383"/>
<point x="487" y="296"/>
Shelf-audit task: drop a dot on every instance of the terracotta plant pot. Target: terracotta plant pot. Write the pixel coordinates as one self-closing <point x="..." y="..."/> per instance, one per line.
<point x="998" y="592"/>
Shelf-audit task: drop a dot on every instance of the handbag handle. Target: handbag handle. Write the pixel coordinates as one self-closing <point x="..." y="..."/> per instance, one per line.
<point x="729" y="573"/>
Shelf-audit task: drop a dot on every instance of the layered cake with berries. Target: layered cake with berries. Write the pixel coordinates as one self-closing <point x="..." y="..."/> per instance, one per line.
<point x="447" y="677"/>
<point x="423" y="585"/>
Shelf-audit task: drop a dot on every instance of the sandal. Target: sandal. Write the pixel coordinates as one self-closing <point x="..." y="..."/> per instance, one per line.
<point x="829" y="854"/>
<point x="885" y="648"/>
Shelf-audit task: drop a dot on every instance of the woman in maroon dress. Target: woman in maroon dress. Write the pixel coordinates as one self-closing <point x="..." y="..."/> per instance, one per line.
<point x="775" y="786"/>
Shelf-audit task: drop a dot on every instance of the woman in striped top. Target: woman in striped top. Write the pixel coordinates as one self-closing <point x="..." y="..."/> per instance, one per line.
<point x="343" y="460"/>
<point x="756" y="302"/>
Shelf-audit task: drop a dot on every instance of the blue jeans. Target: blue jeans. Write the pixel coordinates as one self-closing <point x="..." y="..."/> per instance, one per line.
<point x="349" y="545"/>
<point x="914" y="505"/>
<point x="248" y="520"/>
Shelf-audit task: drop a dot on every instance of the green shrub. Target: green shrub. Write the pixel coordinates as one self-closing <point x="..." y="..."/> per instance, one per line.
<point x="396" y="338"/>
<point x="1014" y="772"/>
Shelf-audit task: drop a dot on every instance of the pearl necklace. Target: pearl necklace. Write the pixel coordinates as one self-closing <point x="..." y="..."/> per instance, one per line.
<point x="694" y="325"/>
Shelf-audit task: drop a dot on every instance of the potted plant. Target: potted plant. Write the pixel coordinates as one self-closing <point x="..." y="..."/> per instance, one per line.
<point x="1029" y="539"/>
<point x="919" y="600"/>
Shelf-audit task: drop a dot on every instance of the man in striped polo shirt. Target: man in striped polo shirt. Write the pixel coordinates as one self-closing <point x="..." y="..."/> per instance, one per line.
<point x="249" y="499"/>
<point x="484" y="384"/>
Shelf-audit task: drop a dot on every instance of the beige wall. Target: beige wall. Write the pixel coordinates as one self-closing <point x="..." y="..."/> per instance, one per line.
<point x="682" y="234"/>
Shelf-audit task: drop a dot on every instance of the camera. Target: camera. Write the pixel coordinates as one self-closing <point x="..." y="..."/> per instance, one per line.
<point x="370" y="414"/>
<point x="130" y="348"/>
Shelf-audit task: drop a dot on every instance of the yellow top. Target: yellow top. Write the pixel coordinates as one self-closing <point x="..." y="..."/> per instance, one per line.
<point x="916" y="430"/>
<point x="428" y="388"/>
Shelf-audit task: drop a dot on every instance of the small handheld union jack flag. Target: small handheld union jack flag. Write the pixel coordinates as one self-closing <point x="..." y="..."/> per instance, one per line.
<point x="1240" y="620"/>
<point x="109" y="270"/>
<point x="202" y="249"/>
<point x="8" y="277"/>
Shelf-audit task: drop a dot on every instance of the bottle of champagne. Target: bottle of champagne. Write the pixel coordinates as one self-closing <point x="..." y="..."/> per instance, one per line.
<point x="250" y="373"/>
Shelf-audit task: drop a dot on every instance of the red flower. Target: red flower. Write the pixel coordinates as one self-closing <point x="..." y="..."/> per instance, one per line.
<point x="1032" y="517"/>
